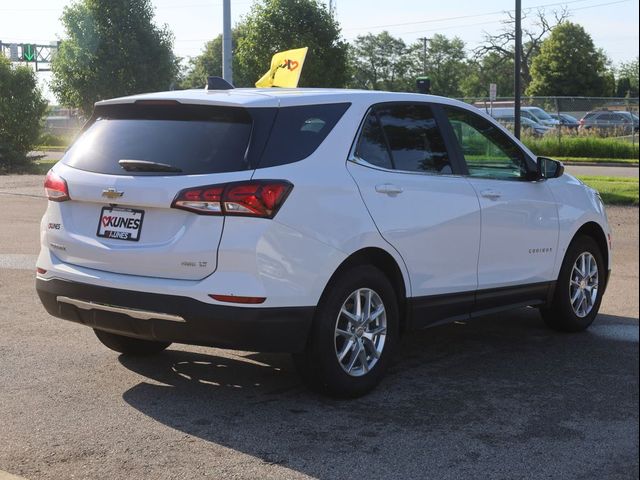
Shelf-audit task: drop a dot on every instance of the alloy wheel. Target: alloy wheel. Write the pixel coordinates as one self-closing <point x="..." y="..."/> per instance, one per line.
<point x="583" y="284"/>
<point x="360" y="332"/>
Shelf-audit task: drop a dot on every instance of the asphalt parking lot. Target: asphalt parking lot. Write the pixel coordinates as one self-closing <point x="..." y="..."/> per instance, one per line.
<point x="501" y="397"/>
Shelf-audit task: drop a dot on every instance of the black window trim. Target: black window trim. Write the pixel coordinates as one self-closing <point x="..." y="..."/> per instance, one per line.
<point x="456" y="148"/>
<point x="458" y="168"/>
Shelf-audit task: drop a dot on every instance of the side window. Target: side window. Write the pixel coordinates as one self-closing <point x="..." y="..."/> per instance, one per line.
<point x="621" y="118"/>
<point x="297" y="132"/>
<point x="414" y="138"/>
<point x="488" y="152"/>
<point x="372" y="146"/>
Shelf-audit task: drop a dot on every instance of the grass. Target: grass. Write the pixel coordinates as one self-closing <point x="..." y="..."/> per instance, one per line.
<point x="614" y="190"/>
<point x="583" y="147"/>
<point x="42" y="166"/>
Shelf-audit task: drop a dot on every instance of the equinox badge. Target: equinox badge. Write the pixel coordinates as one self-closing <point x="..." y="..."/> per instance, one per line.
<point x="111" y="193"/>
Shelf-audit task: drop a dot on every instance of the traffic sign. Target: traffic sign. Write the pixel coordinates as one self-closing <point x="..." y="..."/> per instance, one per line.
<point x="13" y="52"/>
<point x="493" y="92"/>
<point x="29" y="52"/>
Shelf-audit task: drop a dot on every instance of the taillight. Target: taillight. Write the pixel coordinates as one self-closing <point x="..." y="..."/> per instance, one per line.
<point x="253" y="198"/>
<point x="56" y="187"/>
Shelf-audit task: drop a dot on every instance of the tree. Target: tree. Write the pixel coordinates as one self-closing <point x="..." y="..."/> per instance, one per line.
<point x="21" y="109"/>
<point x="209" y="63"/>
<point x="628" y="79"/>
<point x="446" y="64"/>
<point x="490" y="68"/>
<point x="112" y="49"/>
<point x="276" y="25"/>
<point x="381" y="62"/>
<point x="503" y="42"/>
<point x="623" y="87"/>
<point x="569" y="65"/>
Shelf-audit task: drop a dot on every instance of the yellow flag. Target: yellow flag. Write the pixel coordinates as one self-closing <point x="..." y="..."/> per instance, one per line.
<point x="285" y="69"/>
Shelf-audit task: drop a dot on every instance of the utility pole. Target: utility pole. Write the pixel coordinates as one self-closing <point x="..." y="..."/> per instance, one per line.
<point x="424" y="41"/>
<point x="227" y="54"/>
<point x="518" y="69"/>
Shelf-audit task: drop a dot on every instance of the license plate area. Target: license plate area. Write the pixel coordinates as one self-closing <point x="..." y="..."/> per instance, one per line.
<point x="120" y="223"/>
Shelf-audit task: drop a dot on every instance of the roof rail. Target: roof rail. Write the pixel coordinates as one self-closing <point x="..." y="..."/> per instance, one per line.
<point x="218" y="83"/>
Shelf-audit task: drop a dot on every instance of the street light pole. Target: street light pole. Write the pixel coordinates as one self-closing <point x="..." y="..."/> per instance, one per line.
<point x="227" y="54"/>
<point x="517" y="70"/>
<point x="424" y="54"/>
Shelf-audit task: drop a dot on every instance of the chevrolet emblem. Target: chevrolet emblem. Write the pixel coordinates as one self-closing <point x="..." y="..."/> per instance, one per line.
<point x="111" y="193"/>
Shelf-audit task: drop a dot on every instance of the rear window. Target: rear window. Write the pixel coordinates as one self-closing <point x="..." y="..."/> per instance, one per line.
<point x="299" y="131"/>
<point x="193" y="139"/>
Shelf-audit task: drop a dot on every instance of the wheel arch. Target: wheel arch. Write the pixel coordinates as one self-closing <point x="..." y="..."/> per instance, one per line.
<point x="386" y="263"/>
<point x="595" y="231"/>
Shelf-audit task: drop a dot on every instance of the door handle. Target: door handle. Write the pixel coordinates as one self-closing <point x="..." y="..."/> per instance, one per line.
<point x="389" y="189"/>
<point x="491" y="194"/>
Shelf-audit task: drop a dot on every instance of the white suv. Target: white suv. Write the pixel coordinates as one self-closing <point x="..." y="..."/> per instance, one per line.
<point x="318" y="222"/>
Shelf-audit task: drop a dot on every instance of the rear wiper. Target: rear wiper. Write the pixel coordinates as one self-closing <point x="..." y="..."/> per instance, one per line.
<point x="144" y="166"/>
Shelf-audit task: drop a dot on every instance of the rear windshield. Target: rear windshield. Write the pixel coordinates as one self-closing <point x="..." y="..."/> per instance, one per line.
<point x="192" y="139"/>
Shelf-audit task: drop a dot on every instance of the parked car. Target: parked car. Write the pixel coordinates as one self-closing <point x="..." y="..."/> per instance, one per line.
<point x="616" y="122"/>
<point x="543" y="117"/>
<point x="318" y="222"/>
<point x="566" y="120"/>
<point x="535" y="114"/>
<point x="528" y="126"/>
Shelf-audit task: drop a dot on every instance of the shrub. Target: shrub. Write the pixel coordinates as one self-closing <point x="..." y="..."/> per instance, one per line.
<point x="21" y="109"/>
<point x="52" y="140"/>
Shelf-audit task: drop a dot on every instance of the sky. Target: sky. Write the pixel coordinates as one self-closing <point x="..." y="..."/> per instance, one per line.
<point x="613" y="24"/>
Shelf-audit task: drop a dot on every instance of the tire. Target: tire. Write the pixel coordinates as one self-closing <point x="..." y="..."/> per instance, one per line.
<point x="129" y="345"/>
<point x="319" y="365"/>
<point x="562" y="315"/>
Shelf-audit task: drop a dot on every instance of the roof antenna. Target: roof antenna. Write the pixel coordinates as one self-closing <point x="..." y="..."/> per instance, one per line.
<point x="218" y="83"/>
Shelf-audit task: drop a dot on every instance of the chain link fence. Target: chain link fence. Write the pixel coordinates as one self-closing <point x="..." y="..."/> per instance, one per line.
<point x="568" y="116"/>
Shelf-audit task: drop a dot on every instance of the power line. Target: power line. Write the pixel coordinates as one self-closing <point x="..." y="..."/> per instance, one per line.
<point x="491" y="22"/>
<point x="461" y="17"/>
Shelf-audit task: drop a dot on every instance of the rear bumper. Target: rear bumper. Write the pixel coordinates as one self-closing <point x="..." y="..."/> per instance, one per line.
<point x="179" y="319"/>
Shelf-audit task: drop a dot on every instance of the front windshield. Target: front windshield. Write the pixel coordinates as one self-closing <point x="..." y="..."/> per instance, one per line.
<point x="541" y="114"/>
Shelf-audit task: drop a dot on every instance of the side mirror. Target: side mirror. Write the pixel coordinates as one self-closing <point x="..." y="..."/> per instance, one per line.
<point x="549" y="168"/>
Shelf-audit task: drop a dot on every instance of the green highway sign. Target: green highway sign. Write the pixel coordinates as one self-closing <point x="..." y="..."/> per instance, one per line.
<point x="29" y="53"/>
<point x="37" y="54"/>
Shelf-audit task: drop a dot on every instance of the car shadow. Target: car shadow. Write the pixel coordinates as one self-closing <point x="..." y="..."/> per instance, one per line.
<point x="502" y="393"/>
